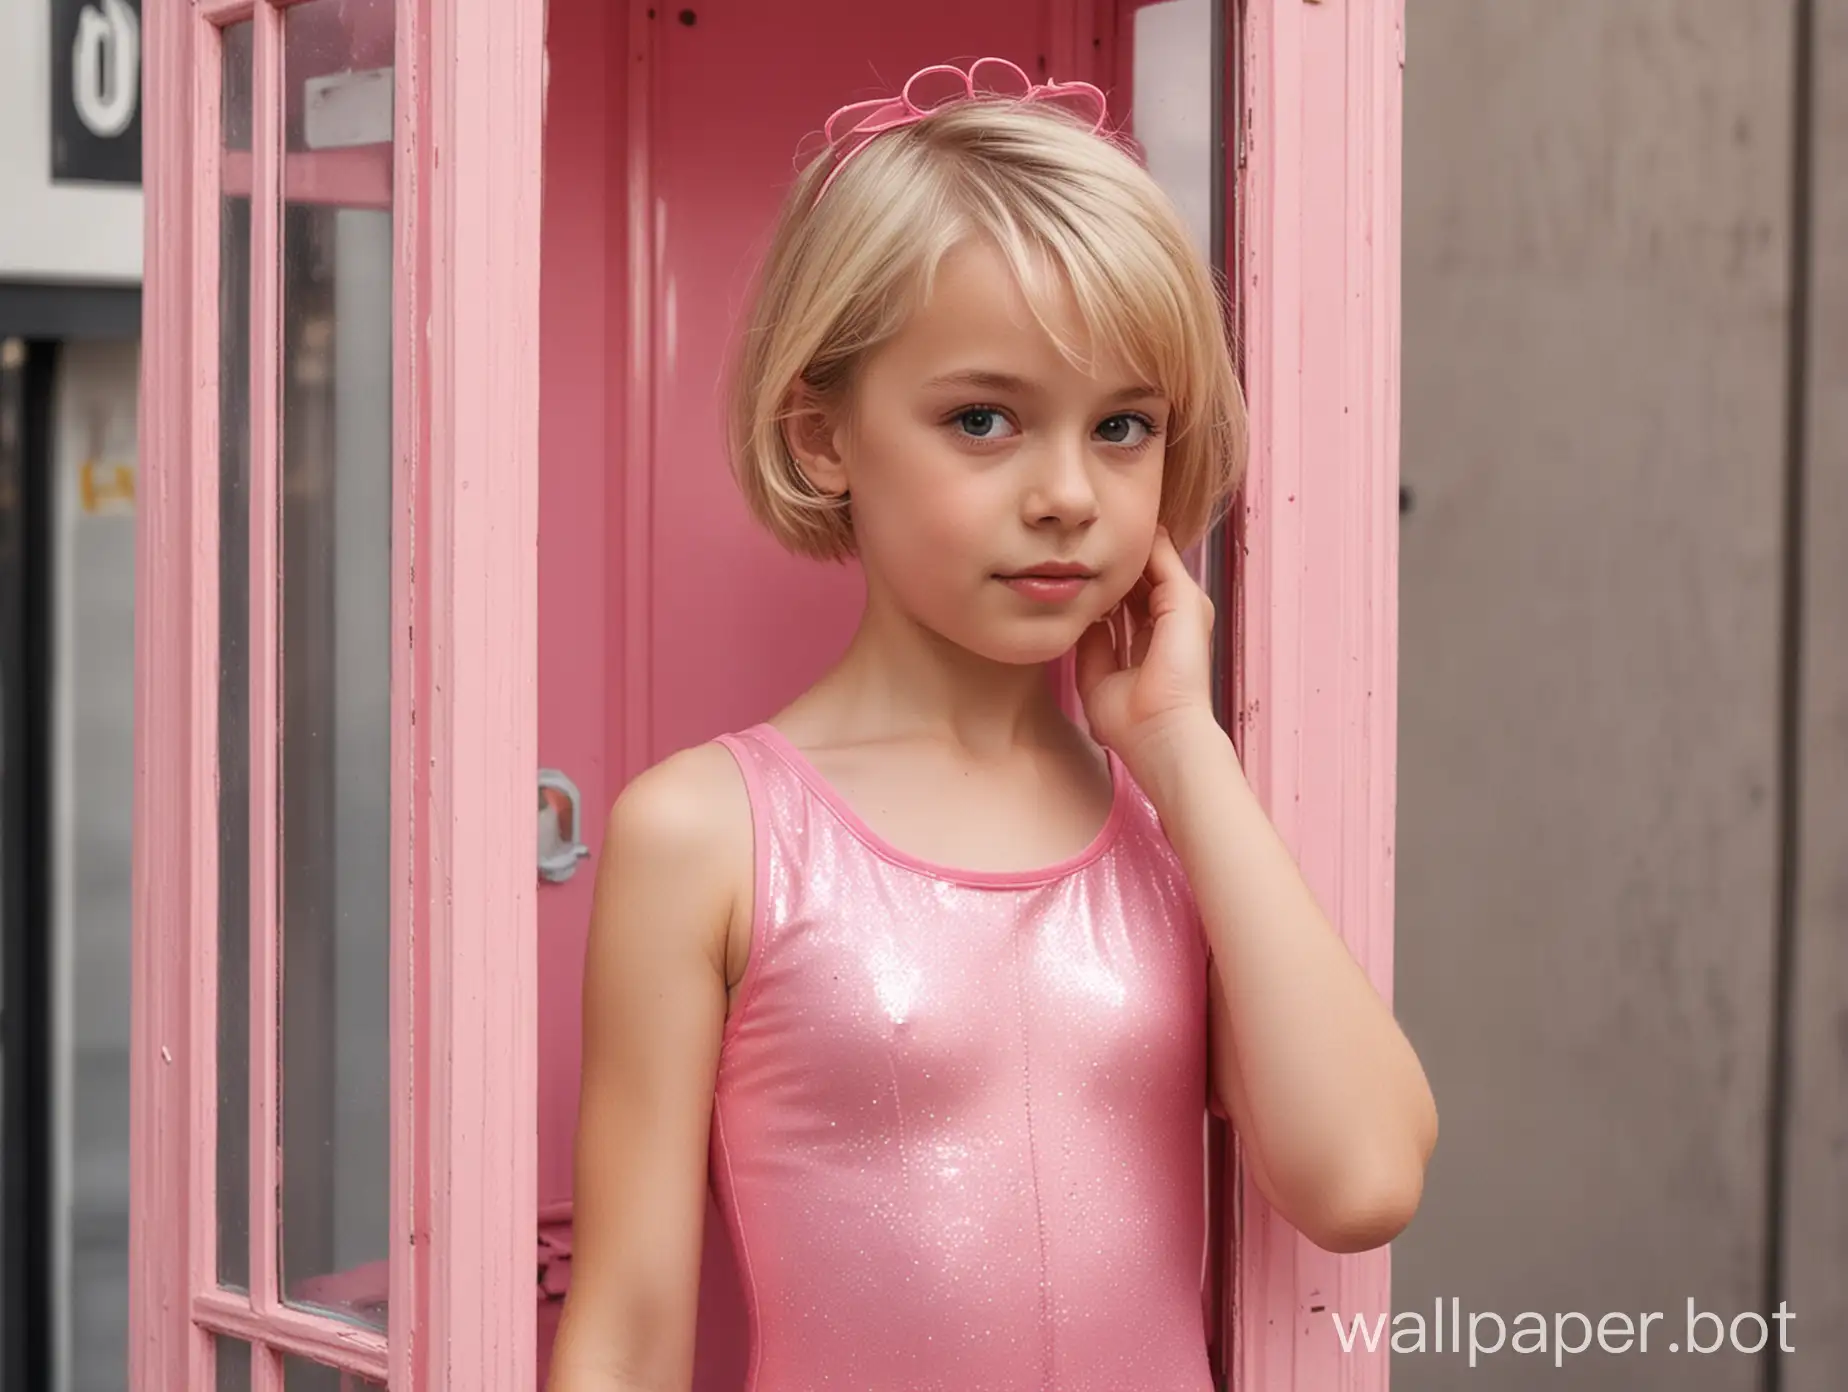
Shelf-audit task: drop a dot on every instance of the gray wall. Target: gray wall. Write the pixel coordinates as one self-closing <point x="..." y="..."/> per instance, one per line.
<point x="93" y="775"/>
<point x="1816" y="1222"/>
<point x="1597" y="316"/>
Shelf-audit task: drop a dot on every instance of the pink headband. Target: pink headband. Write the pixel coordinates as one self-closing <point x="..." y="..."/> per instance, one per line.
<point x="849" y="129"/>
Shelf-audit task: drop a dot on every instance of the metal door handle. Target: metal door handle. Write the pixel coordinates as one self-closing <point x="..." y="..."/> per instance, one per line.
<point x="559" y="847"/>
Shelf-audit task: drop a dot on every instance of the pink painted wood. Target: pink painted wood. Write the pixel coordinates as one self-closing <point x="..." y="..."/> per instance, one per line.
<point x="178" y="1214"/>
<point x="1317" y="668"/>
<point x="222" y="13"/>
<point x="583" y="419"/>
<point x="285" y="1330"/>
<point x="357" y="178"/>
<point x="265" y="695"/>
<point x="477" y="389"/>
<point x="170" y="660"/>
<point x="408" y="1032"/>
<point x="464" y="1014"/>
<point x="205" y="91"/>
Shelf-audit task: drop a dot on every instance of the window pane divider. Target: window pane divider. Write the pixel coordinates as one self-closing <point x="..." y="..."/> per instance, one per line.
<point x="407" y="1288"/>
<point x="207" y="70"/>
<point x="354" y="178"/>
<point x="222" y="13"/>
<point x="265" y="695"/>
<point x="320" y="1338"/>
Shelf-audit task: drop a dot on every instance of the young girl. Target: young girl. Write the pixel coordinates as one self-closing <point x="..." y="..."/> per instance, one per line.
<point x="934" y="985"/>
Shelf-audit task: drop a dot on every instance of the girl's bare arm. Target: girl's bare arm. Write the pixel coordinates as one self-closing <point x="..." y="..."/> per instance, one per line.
<point x="1307" y="1060"/>
<point x="654" y="1009"/>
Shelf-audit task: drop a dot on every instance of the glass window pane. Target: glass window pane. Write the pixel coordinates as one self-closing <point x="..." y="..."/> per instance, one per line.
<point x="1178" y="49"/>
<point x="234" y="687"/>
<point x="336" y="662"/>
<point x="299" y="1375"/>
<point x="233" y="1356"/>
<point x="1175" y="119"/>
<point x="236" y="92"/>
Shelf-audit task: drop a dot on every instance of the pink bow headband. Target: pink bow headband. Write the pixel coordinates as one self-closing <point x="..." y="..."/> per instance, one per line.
<point x="853" y="126"/>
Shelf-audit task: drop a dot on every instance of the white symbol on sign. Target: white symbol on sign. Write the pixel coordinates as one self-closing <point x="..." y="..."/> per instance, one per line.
<point x="105" y="67"/>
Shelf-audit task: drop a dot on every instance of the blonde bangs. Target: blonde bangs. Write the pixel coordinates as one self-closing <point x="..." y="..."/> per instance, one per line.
<point x="1068" y="210"/>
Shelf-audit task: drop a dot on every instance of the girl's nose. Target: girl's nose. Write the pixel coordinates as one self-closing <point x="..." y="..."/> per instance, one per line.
<point x="1060" y="487"/>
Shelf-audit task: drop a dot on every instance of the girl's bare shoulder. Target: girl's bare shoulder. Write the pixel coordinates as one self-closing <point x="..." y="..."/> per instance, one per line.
<point x="684" y="824"/>
<point x="690" y="800"/>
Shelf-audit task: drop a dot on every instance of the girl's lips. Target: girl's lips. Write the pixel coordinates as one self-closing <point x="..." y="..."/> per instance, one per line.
<point x="1048" y="589"/>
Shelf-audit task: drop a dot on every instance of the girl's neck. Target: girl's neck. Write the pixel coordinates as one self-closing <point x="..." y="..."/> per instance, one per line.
<point x="900" y="680"/>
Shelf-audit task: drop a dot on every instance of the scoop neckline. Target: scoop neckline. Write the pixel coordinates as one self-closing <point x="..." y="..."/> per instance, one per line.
<point x="987" y="879"/>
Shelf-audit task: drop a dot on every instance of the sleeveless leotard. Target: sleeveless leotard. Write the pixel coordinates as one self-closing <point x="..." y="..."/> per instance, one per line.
<point x="958" y="1131"/>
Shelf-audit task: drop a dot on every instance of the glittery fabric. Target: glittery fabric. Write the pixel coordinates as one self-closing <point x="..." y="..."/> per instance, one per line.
<point x="958" y="1124"/>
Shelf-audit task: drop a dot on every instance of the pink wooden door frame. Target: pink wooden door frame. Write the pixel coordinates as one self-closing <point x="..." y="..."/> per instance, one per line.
<point x="481" y="172"/>
<point x="1317" y="547"/>
<point x="1316" y="247"/>
<point x="464" y="535"/>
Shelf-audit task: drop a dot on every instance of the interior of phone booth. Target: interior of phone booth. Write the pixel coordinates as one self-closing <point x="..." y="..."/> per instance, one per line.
<point x="666" y="614"/>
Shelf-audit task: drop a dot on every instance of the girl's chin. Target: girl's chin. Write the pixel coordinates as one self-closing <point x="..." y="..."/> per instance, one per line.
<point x="1041" y="643"/>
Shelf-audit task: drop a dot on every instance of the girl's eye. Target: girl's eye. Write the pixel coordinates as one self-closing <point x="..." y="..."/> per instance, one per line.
<point x="981" y="423"/>
<point x="1121" y="430"/>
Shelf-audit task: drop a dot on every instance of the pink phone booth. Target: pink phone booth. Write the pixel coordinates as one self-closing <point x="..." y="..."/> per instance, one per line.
<point x="479" y="264"/>
<point x="666" y="615"/>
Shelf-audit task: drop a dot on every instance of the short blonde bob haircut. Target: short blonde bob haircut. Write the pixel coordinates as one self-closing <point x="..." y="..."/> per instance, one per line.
<point x="1066" y="208"/>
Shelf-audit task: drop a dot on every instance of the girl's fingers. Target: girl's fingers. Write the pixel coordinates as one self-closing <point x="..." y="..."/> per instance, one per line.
<point x="1170" y="574"/>
<point x="1165" y="563"/>
<point x="1139" y="649"/>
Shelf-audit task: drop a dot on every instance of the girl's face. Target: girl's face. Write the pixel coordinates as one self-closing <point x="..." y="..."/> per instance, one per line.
<point x="975" y="453"/>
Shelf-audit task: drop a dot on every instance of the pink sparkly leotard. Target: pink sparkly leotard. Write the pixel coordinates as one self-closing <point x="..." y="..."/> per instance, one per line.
<point x="958" y="1128"/>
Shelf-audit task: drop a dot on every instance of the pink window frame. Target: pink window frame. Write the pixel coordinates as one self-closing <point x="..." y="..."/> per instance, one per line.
<point x="1314" y="152"/>
<point x="463" y="998"/>
<point x="1316" y="163"/>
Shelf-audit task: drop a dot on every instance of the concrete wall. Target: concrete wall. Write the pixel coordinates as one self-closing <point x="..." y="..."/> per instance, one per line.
<point x="1597" y="301"/>
<point x="94" y="604"/>
<point x="1816" y="1223"/>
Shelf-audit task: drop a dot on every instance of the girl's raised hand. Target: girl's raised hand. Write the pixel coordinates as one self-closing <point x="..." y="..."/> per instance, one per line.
<point x="1146" y="667"/>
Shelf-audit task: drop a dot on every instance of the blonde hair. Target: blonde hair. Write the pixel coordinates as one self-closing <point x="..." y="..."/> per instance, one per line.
<point x="842" y="274"/>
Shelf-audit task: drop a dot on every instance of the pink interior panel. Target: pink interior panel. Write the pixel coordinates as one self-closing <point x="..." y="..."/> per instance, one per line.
<point x="580" y="474"/>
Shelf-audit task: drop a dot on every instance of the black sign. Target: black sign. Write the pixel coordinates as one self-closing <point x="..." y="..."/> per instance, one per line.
<point x="96" y="91"/>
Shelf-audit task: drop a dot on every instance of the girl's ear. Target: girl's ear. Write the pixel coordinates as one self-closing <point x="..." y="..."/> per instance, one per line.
<point x="812" y="431"/>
